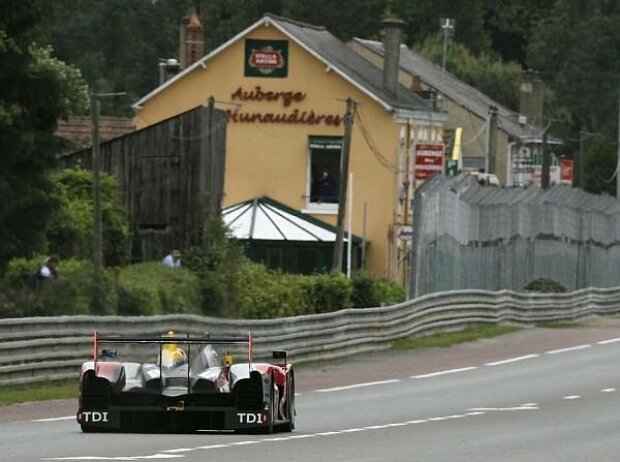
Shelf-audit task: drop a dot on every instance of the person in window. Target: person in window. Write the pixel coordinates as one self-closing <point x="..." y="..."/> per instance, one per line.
<point x="173" y="259"/>
<point x="324" y="187"/>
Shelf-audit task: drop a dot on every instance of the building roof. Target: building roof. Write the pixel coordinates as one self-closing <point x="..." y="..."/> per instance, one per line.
<point x="336" y="56"/>
<point x="77" y="128"/>
<point x="458" y="91"/>
<point x="265" y="219"/>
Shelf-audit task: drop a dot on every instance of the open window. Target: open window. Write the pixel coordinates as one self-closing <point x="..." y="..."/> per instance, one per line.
<point x="324" y="155"/>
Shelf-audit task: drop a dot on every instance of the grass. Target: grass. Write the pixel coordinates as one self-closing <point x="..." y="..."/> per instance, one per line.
<point x="14" y="394"/>
<point x="444" y="340"/>
<point x="558" y="325"/>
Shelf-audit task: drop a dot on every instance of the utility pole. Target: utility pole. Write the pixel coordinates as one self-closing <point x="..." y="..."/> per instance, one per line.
<point x="97" y="220"/>
<point x="582" y="183"/>
<point x="342" y="187"/>
<point x="618" y="161"/>
<point x="97" y="224"/>
<point x="492" y="140"/>
<point x="447" y="30"/>
<point x="546" y="160"/>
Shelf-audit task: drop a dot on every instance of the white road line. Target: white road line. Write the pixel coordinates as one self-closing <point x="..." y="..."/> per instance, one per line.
<point x="611" y="340"/>
<point x="213" y="446"/>
<point x="328" y="433"/>
<point x="476" y="413"/>
<point x="572" y="397"/>
<point x="608" y="390"/>
<point x="437" y="419"/>
<point x="244" y="443"/>
<point x="449" y="371"/>
<point x="357" y="385"/>
<point x="354" y="430"/>
<point x="179" y="450"/>
<point x="55" y="419"/>
<point x="564" y="350"/>
<point x="307" y="435"/>
<point x="529" y="404"/>
<point x="512" y="360"/>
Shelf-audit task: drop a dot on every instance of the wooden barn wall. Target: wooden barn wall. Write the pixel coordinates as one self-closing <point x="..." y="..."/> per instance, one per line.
<point x="171" y="175"/>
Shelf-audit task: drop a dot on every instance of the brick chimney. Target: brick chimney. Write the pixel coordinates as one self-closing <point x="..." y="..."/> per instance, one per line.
<point x="531" y="98"/>
<point x="192" y="45"/>
<point x="391" y="31"/>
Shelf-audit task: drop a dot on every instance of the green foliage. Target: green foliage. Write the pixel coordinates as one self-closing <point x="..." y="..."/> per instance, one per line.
<point x="35" y="90"/>
<point x="444" y="340"/>
<point x="151" y="288"/>
<point x="70" y="294"/>
<point x="217" y="262"/>
<point x="141" y="289"/>
<point x="329" y="292"/>
<point x="70" y="230"/>
<point x="370" y="291"/>
<point x="485" y="72"/>
<point x="545" y="285"/>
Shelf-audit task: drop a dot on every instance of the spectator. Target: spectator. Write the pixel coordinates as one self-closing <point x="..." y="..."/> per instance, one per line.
<point x="173" y="259"/>
<point x="46" y="272"/>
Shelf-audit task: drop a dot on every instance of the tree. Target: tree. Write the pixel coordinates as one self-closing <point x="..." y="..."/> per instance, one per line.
<point x="35" y="90"/>
<point x="577" y="50"/>
<point x="69" y="232"/>
<point x="487" y="73"/>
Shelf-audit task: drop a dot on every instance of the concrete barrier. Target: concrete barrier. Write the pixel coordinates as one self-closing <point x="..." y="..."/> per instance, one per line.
<point x="52" y="348"/>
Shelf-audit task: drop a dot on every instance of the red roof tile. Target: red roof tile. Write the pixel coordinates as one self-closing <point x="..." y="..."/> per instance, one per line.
<point x="77" y="128"/>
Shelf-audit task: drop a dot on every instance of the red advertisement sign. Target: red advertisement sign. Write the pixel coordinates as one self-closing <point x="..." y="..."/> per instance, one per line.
<point x="566" y="171"/>
<point x="429" y="159"/>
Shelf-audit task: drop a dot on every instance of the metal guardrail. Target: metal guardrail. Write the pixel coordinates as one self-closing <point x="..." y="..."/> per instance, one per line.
<point x="53" y="348"/>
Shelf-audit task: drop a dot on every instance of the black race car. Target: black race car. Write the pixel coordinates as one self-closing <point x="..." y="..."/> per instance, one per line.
<point x="186" y="386"/>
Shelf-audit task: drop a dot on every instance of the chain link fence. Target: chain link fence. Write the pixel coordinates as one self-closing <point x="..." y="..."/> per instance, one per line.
<point x="470" y="236"/>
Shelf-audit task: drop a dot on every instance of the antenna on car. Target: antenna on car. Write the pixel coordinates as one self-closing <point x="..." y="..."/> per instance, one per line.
<point x="95" y="348"/>
<point x="250" y="351"/>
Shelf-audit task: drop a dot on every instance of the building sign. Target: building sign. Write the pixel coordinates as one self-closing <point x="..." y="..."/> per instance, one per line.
<point x="566" y="171"/>
<point x="526" y="168"/>
<point x="266" y="58"/>
<point x="429" y="160"/>
<point x="283" y="112"/>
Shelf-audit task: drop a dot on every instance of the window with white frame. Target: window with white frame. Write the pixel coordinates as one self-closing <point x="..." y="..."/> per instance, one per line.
<point x="324" y="155"/>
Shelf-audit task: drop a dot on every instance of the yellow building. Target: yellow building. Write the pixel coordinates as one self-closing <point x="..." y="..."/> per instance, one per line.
<point x="284" y="85"/>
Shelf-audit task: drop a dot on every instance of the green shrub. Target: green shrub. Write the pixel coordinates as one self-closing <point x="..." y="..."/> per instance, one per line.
<point x="69" y="294"/>
<point x="217" y="262"/>
<point x="151" y="288"/>
<point x="545" y="285"/>
<point x="330" y="292"/>
<point x="70" y="231"/>
<point x="370" y="291"/>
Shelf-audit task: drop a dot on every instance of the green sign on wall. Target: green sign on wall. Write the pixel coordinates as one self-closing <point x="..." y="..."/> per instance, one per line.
<point x="266" y="58"/>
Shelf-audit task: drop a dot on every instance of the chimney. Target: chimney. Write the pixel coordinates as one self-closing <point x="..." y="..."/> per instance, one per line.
<point x="531" y="97"/>
<point x="392" y="31"/>
<point x="192" y="45"/>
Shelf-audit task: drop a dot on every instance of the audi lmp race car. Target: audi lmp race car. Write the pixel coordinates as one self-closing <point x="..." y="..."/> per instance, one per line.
<point x="186" y="387"/>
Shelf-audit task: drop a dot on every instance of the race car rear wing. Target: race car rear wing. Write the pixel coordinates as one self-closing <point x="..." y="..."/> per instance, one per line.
<point x="165" y="339"/>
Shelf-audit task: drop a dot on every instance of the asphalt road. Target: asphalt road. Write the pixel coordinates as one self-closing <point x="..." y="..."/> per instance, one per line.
<point x="536" y="395"/>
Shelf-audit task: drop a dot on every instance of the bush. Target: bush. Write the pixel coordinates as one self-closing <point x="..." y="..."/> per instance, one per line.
<point x="545" y="285"/>
<point x="70" y="231"/>
<point x="69" y="294"/>
<point x="370" y="291"/>
<point x="151" y="288"/>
